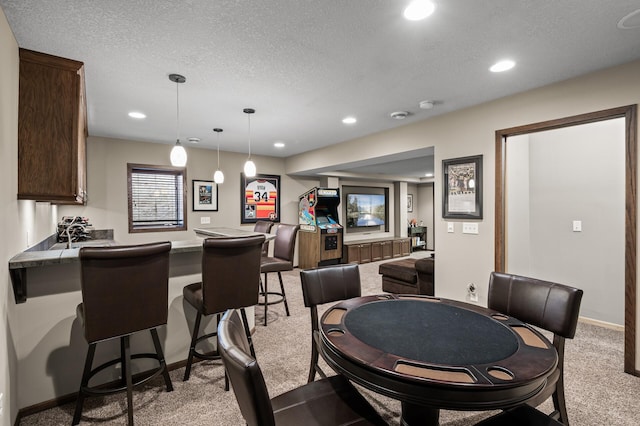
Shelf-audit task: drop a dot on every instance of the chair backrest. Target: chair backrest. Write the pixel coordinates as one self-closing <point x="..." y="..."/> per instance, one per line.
<point x="330" y="284"/>
<point x="285" y="242"/>
<point x="426" y="276"/>
<point x="115" y="280"/>
<point x="230" y="272"/>
<point x="244" y="372"/>
<point x="264" y="227"/>
<point x="553" y="307"/>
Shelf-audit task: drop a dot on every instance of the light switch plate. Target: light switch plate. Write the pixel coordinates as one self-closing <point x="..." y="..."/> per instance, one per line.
<point x="450" y="227"/>
<point x="577" y="226"/>
<point x="205" y="220"/>
<point x="469" y="227"/>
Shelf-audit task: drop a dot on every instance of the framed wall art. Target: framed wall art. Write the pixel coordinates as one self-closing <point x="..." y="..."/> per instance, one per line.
<point x="205" y="195"/>
<point x="259" y="198"/>
<point x="410" y="203"/>
<point x="462" y="188"/>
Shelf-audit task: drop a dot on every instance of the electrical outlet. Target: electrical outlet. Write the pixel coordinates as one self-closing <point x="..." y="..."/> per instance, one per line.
<point x="472" y="292"/>
<point x="205" y="220"/>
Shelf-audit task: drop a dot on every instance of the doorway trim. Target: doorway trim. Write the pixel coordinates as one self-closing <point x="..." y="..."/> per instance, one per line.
<point x="629" y="112"/>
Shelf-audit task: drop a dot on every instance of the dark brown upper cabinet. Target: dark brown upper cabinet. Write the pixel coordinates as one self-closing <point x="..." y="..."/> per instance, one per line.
<point x="52" y="129"/>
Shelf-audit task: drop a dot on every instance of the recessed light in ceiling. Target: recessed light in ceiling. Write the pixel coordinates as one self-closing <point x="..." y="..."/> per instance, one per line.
<point x="349" y="120"/>
<point x="193" y="140"/>
<point x="278" y="144"/>
<point x="399" y="115"/>
<point x="502" y="66"/>
<point x="426" y="104"/>
<point x="627" y="23"/>
<point x="419" y="9"/>
<point x="428" y="174"/>
<point x="138" y="115"/>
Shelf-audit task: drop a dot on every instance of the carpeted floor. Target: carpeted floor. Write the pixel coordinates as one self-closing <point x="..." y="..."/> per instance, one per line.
<point x="598" y="392"/>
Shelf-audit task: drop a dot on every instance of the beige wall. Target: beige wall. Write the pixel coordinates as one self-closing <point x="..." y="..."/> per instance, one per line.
<point x="470" y="132"/>
<point x="107" y="187"/>
<point x="22" y="223"/>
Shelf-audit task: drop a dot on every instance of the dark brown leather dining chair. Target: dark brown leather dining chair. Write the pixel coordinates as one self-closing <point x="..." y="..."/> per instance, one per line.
<point x="332" y="401"/>
<point x="264" y="227"/>
<point x="282" y="260"/>
<point x="114" y="281"/>
<point x="547" y="305"/>
<point x="324" y="285"/>
<point x="230" y="276"/>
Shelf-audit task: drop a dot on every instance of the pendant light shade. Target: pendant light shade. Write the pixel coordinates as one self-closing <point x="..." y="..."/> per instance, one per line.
<point x="249" y="166"/>
<point x="218" y="176"/>
<point x="178" y="153"/>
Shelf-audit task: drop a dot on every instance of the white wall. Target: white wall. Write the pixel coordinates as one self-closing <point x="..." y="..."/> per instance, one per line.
<point x="574" y="173"/>
<point x="518" y="226"/>
<point x="22" y="223"/>
<point x="107" y="187"/>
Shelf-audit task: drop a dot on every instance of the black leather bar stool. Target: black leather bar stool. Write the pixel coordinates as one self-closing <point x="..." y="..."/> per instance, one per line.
<point x="114" y="281"/>
<point x="264" y="227"/>
<point x="230" y="276"/>
<point x="282" y="260"/>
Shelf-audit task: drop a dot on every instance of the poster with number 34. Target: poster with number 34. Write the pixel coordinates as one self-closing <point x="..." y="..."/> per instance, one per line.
<point x="260" y="198"/>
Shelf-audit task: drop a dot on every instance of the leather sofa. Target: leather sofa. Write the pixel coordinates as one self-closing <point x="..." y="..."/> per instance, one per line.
<point x="408" y="276"/>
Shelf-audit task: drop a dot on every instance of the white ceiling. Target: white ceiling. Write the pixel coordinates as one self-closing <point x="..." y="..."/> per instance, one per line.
<point x="304" y="65"/>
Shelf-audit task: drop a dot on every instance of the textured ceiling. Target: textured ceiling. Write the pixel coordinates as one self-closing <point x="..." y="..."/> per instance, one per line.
<point x="304" y="65"/>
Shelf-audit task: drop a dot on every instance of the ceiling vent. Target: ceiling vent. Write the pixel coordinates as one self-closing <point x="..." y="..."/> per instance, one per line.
<point x="399" y="115"/>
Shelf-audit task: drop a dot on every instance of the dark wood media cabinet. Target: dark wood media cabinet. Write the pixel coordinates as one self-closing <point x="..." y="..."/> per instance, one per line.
<point x="364" y="251"/>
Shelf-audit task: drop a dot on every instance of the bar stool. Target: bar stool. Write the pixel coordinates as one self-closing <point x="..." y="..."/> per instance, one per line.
<point x="114" y="281"/>
<point x="264" y="227"/>
<point x="282" y="260"/>
<point x="230" y="275"/>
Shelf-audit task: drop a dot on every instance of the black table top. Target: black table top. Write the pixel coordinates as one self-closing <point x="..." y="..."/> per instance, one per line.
<point x="436" y="352"/>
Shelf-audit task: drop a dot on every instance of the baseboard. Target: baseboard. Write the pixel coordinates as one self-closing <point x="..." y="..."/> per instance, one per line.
<point x="599" y="323"/>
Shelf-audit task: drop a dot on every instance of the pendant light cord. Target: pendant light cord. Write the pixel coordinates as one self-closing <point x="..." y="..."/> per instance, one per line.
<point x="218" y="150"/>
<point x="177" y="112"/>
<point x="249" y="126"/>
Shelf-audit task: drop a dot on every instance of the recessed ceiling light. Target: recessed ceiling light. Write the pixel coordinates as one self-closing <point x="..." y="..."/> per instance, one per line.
<point x="426" y="104"/>
<point x="501" y="66"/>
<point x="138" y="115"/>
<point x="428" y="175"/>
<point x="399" y="115"/>
<point x="193" y="140"/>
<point x="419" y="9"/>
<point x="349" y="120"/>
<point x="278" y="144"/>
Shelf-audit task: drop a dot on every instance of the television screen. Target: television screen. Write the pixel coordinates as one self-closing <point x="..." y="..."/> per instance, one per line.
<point x="365" y="210"/>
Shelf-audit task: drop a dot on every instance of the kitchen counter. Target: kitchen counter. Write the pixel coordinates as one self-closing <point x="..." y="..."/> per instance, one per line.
<point x="49" y="252"/>
<point x="47" y="334"/>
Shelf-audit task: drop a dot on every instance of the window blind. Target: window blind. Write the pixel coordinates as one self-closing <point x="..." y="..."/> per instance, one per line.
<point x="156" y="198"/>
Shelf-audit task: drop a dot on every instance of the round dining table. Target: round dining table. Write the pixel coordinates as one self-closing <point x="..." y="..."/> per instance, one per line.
<point x="432" y="353"/>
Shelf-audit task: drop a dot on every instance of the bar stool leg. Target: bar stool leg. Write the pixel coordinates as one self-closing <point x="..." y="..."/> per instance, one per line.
<point x="86" y="374"/>
<point x="284" y="296"/>
<point x="163" y="363"/>
<point x="192" y="348"/>
<point x="266" y="296"/>
<point x="127" y="369"/>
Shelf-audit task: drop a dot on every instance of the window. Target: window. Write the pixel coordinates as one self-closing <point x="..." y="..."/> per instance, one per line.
<point x="157" y="198"/>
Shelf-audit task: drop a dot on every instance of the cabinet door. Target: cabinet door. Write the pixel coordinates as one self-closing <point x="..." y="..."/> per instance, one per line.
<point x="397" y="248"/>
<point x="353" y="253"/>
<point x="406" y="247"/>
<point x="376" y="251"/>
<point x="51" y="129"/>
<point x="365" y="253"/>
<point x="387" y="249"/>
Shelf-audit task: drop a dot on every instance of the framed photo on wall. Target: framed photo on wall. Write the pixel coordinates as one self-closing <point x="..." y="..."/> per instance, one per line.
<point x="259" y="198"/>
<point x="205" y="195"/>
<point x="462" y="188"/>
<point x="410" y="203"/>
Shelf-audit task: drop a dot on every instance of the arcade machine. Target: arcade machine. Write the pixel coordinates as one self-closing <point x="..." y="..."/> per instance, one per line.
<point x="320" y="237"/>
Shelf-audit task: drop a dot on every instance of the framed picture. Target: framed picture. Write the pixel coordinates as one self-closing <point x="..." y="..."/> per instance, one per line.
<point x="259" y="198"/>
<point x="462" y="192"/>
<point x="205" y="195"/>
<point x="410" y="203"/>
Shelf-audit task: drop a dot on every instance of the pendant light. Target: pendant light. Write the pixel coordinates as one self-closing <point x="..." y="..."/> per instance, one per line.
<point x="218" y="176"/>
<point x="249" y="166"/>
<point x="178" y="153"/>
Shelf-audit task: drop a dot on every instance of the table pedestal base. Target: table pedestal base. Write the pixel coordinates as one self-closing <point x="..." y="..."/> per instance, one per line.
<point x="414" y="415"/>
